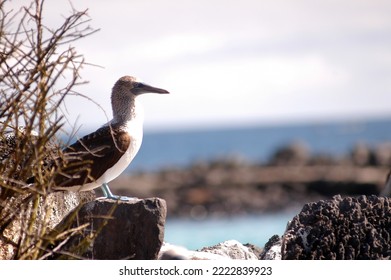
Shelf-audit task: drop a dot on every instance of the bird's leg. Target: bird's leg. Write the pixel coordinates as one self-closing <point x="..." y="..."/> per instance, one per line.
<point x="106" y="191"/>
<point x="108" y="194"/>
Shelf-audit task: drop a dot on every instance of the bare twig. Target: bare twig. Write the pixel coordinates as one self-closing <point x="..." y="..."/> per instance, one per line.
<point x="35" y="61"/>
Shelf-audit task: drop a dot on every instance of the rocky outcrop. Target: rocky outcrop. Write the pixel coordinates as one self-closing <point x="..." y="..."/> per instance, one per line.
<point x="175" y="252"/>
<point x="230" y="249"/>
<point x="51" y="210"/>
<point x="73" y="225"/>
<point x="341" y="228"/>
<point x="272" y="249"/>
<point x="114" y="230"/>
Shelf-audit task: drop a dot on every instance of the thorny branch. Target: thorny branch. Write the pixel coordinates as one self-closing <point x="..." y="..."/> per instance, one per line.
<point x="38" y="68"/>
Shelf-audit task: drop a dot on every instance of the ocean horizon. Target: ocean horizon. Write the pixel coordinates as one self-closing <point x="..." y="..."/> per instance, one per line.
<point x="256" y="143"/>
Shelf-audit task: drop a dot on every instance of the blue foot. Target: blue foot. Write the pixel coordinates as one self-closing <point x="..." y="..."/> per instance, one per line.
<point x="108" y="194"/>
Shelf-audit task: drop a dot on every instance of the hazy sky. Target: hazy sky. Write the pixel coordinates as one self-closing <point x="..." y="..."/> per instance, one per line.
<point x="248" y="61"/>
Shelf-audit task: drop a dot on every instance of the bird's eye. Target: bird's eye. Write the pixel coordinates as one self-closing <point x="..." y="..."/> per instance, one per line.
<point x="138" y="85"/>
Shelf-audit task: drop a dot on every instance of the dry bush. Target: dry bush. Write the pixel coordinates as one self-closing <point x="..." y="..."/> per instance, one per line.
<point x="38" y="69"/>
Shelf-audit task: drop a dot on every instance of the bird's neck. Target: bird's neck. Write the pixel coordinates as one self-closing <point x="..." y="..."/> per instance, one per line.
<point x="124" y="109"/>
<point x="127" y="111"/>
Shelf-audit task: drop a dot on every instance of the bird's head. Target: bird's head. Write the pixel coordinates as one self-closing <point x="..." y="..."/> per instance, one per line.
<point x="125" y="90"/>
<point x="131" y="86"/>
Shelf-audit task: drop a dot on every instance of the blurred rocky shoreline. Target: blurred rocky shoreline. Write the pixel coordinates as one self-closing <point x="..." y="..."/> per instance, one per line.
<point x="232" y="186"/>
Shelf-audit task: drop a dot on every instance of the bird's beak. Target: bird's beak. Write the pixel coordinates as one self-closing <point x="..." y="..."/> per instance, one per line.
<point x="144" y="88"/>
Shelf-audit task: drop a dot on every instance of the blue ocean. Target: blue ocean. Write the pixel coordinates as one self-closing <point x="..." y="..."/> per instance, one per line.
<point x="255" y="230"/>
<point x="255" y="144"/>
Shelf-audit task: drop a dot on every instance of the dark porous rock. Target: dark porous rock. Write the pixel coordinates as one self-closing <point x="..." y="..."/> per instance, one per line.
<point x="272" y="250"/>
<point x="231" y="249"/>
<point x="116" y="230"/>
<point x="341" y="228"/>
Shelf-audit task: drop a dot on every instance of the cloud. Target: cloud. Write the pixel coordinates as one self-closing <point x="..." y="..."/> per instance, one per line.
<point x="273" y="60"/>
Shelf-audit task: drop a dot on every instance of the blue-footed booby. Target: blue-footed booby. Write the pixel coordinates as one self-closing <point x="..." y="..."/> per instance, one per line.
<point x="108" y="151"/>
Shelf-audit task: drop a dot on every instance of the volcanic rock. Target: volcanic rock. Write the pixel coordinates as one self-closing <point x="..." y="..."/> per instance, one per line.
<point x="341" y="228"/>
<point x="231" y="249"/>
<point x="115" y="230"/>
<point x="50" y="212"/>
<point x="272" y="249"/>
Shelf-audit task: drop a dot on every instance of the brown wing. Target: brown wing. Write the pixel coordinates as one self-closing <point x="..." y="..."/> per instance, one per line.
<point x="88" y="158"/>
